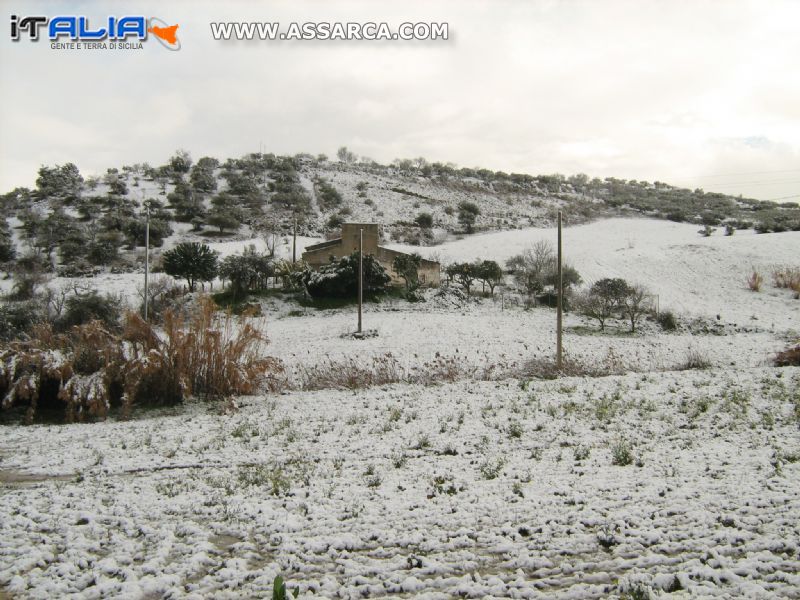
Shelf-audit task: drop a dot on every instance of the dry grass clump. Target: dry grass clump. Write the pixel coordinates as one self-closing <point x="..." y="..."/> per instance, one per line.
<point x="64" y="372"/>
<point x="351" y="373"/>
<point x="348" y="373"/>
<point x="788" y="358"/>
<point x="694" y="360"/>
<point x="445" y="369"/>
<point x="787" y="278"/>
<point x="754" y="281"/>
<point x="546" y="368"/>
<point x="83" y="372"/>
<point x="204" y="356"/>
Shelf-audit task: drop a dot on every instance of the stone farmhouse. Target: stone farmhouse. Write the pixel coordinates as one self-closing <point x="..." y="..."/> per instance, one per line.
<point x="320" y="254"/>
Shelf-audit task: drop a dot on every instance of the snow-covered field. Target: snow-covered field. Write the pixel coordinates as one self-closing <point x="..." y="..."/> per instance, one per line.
<point x="490" y="489"/>
<point x="684" y="483"/>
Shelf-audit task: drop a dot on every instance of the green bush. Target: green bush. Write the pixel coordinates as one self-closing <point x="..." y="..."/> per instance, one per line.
<point x="424" y="220"/>
<point x="667" y="320"/>
<point x="80" y="309"/>
<point x="339" y="278"/>
<point x="18" y="318"/>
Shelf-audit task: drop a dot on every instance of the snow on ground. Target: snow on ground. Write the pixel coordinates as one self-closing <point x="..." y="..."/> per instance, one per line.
<point x="503" y="487"/>
<point x="691" y="274"/>
<point x="487" y="337"/>
<point x="472" y="489"/>
<point x="397" y="198"/>
<point x="283" y="247"/>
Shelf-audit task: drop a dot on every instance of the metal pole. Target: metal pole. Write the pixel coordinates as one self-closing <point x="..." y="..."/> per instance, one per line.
<point x="294" y="242"/>
<point x="559" y="348"/>
<point x="360" y="274"/>
<point x="146" y="255"/>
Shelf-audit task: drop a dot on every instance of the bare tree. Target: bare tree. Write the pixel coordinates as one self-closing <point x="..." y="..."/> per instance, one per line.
<point x="159" y="291"/>
<point x="268" y="230"/>
<point x="635" y="304"/>
<point x="532" y="267"/>
<point x="56" y="298"/>
<point x="346" y="156"/>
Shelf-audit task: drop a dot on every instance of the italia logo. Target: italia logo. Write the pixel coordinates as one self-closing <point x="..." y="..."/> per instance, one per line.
<point x="126" y="29"/>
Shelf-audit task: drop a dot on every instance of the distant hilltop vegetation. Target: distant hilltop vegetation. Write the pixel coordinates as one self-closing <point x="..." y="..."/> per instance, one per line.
<point x="416" y="201"/>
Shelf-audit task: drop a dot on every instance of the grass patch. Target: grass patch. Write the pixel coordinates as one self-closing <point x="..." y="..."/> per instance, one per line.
<point x="607" y="332"/>
<point x="694" y="360"/>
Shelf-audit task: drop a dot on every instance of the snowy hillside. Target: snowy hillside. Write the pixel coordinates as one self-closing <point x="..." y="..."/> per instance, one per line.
<point x="441" y="456"/>
<point x="690" y="274"/>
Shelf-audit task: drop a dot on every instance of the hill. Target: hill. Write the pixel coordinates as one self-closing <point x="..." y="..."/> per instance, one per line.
<point x="80" y="222"/>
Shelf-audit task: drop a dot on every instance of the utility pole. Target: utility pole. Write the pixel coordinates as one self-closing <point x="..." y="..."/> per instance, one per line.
<point x="294" y="242"/>
<point x="146" y="254"/>
<point x="360" y="274"/>
<point x="559" y="347"/>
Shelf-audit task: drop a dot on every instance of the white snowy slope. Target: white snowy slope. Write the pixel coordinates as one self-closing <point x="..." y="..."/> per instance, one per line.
<point x="691" y="274"/>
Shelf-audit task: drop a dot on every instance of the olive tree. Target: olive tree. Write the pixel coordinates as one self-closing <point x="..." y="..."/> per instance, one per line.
<point x="604" y="299"/>
<point x="467" y="214"/>
<point x="407" y="267"/>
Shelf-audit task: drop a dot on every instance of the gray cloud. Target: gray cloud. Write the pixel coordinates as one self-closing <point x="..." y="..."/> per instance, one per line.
<point x="643" y="90"/>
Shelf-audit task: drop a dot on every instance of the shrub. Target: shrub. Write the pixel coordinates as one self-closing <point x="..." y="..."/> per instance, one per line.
<point x="339" y="278"/>
<point x="754" y="281"/>
<point x="162" y="293"/>
<point x="215" y="360"/>
<point x="707" y="230"/>
<point x="621" y="454"/>
<point x="160" y="229"/>
<point x="491" y="469"/>
<point x="18" y="318"/>
<point x="545" y="368"/>
<point x="786" y="278"/>
<point x="62" y="372"/>
<point x="424" y="220"/>
<point x="335" y="221"/>
<point x="694" y="360"/>
<point x="788" y="358"/>
<point x="328" y="196"/>
<point x="80" y="309"/>
<point x="349" y="374"/>
<point x="581" y="453"/>
<point x="29" y="274"/>
<point x="667" y="320"/>
<point x="101" y="252"/>
<point x="82" y="371"/>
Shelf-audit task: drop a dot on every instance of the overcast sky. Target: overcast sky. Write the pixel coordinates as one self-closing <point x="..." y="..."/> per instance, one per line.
<point x="698" y="94"/>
